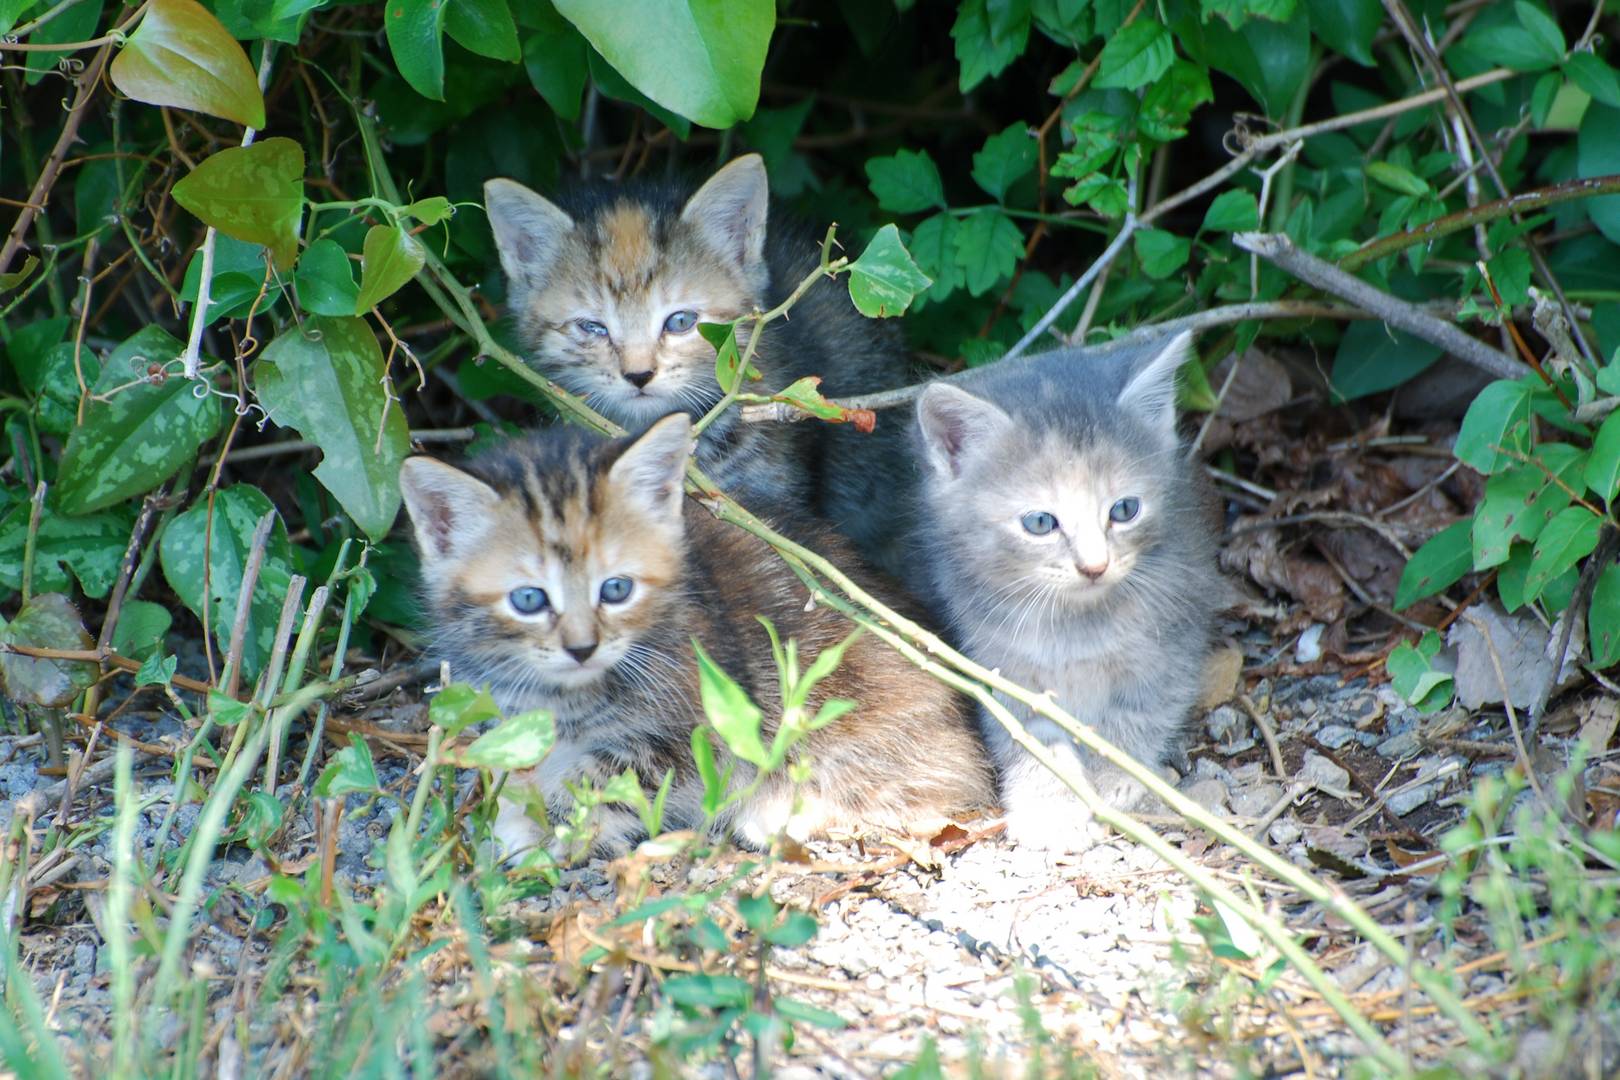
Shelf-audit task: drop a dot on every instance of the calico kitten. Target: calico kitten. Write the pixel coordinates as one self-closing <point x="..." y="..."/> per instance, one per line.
<point x="1071" y="547"/>
<point x="607" y="287"/>
<point x="570" y="574"/>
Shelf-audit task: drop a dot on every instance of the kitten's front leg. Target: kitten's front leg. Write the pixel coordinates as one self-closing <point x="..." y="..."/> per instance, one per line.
<point x="611" y="828"/>
<point x="1041" y="810"/>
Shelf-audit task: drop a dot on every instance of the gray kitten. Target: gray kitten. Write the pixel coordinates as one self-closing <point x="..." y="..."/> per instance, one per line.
<point x="608" y="285"/>
<point x="1070" y="546"/>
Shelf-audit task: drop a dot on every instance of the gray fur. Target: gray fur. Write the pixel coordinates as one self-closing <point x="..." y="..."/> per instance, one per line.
<point x="1071" y="432"/>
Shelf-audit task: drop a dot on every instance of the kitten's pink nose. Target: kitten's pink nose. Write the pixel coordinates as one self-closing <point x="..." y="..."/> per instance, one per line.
<point x="580" y="653"/>
<point x="638" y="379"/>
<point x="1092" y="572"/>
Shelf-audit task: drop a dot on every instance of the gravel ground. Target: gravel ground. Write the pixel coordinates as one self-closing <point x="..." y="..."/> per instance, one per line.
<point x="999" y="954"/>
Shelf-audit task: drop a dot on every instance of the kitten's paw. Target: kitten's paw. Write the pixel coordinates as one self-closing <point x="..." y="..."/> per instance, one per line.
<point x="1065" y="830"/>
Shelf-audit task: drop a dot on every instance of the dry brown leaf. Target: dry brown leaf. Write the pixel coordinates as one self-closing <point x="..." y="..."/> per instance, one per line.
<point x="1405" y="858"/>
<point x="1223" y="674"/>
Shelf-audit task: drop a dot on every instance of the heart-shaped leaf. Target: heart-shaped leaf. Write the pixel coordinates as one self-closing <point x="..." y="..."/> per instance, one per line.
<point x="325" y="280"/>
<point x="135" y="433"/>
<point x="389" y="259"/>
<point x="228" y="538"/>
<point x="325" y="380"/>
<point x="253" y="193"/>
<point x="885" y="279"/>
<point x="49" y="621"/>
<point x="180" y="55"/>
<point x="699" y="58"/>
<point x="415" y="30"/>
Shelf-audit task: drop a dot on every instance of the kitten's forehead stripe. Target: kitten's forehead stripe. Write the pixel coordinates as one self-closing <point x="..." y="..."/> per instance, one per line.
<point x="626" y="249"/>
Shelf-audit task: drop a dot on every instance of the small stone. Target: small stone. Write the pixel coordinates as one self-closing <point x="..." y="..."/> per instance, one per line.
<point x="1226" y="724"/>
<point x="1235" y="748"/>
<point x="1283" y="832"/>
<point x="1318" y="770"/>
<point x="874" y="982"/>
<point x="84" y="958"/>
<point x="1404" y="802"/>
<point x="1309" y="648"/>
<point x="1405" y="744"/>
<point x="1211" y="794"/>
<point x="1334" y="736"/>
<point x="1255" y="801"/>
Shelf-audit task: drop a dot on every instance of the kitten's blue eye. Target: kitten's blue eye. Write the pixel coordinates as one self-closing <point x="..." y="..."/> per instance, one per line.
<point x="528" y="600"/>
<point x="616" y="590"/>
<point x="592" y="327"/>
<point x="1125" y="509"/>
<point x="1039" y="522"/>
<point x="680" y="322"/>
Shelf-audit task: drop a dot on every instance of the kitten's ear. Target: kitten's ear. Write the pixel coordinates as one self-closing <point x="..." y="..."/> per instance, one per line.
<point x="956" y="425"/>
<point x="449" y="509"/>
<point x="528" y="229"/>
<point x="730" y="210"/>
<point x="651" y="469"/>
<point x="1151" y="391"/>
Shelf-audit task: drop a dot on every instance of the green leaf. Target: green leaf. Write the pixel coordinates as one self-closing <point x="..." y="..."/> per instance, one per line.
<point x="1270" y="59"/>
<point x="1542" y="29"/>
<point x="1567" y="539"/>
<point x="1134" y="57"/>
<point x="520" y="742"/>
<point x="906" y="182"/>
<point x="91" y="546"/>
<point x="985" y="46"/>
<point x="240" y="272"/>
<point x="325" y="280"/>
<point x="136" y="433"/>
<point x="50" y="621"/>
<point x="236" y="513"/>
<point x="415" y="30"/>
<point x="1603" y="467"/>
<point x="180" y="56"/>
<point x="326" y="380"/>
<point x="1437" y="565"/>
<point x="988" y="247"/>
<point x="1397" y="178"/>
<point x="253" y="193"/>
<point x="1499" y="419"/>
<point x="157" y="670"/>
<point x="1603" y="619"/>
<point x="432" y="210"/>
<point x="1409" y="669"/>
<point x="884" y="280"/>
<point x="390" y="258"/>
<point x="1237" y="12"/>
<point x="1161" y="253"/>
<point x="727" y="356"/>
<point x="76" y="23"/>
<point x="1597" y="78"/>
<point x="1232" y="211"/>
<point x="1373" y="357"/>
<point x="1509" y="45"/>
<point x="254" y="819"/>
<point x="933" y="245"/>
<point x="485" y="27"/>
<point x="30" y="347"/>
<point x="1005" y="159"/>
<point x="141" y="626"/>
<point x="801" y="1013"/>
<point x="796" y="929"/>
<point x="349" y="770"/>
<point x="555" y="57"/>
<point x="1510" y="578"/>
<point x="459" y="706"/>
<point x="1519" y="502"/>
<point x="734" y="718"/>
<point x="1597" y="153"/>
<point x="1511" y="271"/>
<point x="708" y="991"/>
<point x="1170" y="101"/>
<point x="1348" y="26"/>
<point x="699" y="58"/>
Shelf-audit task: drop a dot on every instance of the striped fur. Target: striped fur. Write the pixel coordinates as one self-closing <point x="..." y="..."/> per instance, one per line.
<point x="564" y="511"/>
<point x="626" y="257"/>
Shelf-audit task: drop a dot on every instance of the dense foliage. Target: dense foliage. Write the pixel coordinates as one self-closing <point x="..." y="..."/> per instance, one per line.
<point x="1000" y="171"/>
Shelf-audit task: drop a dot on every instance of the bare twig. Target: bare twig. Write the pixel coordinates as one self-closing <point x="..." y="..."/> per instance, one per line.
<point x="1398" y="313"/>
<point x="244" y="600"/>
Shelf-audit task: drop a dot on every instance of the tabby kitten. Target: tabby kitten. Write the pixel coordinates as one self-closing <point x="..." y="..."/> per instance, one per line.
<point x="608" y="286"/>
<point x="1070" y="547"/>
<point x="570" y="574"/>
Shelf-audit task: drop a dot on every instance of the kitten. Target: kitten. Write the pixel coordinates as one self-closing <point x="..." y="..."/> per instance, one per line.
<point x="607" y="288"/>
<point x="1070" y="546"/>
<point x="570" y="574"/>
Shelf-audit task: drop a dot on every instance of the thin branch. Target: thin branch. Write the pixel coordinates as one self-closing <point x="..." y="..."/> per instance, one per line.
<point x="1551" y="195"/>
<point x="192" y="357"/>
<point x="1280" y="250"/>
